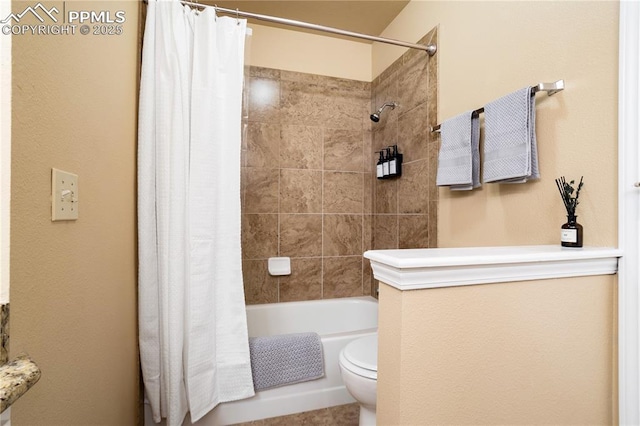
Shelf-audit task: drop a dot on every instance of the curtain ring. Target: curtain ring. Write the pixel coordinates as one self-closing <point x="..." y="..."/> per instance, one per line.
<point x="237" y="16"/>
<point x="215" y="12"/>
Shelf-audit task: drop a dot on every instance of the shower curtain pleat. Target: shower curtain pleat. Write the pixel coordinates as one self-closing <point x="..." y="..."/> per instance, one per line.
<point x="193" y="333"/>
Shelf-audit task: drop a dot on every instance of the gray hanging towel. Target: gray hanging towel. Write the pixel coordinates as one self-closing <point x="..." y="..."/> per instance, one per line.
<point x="459" y="156"/>
<point x="285" y="359"/>
<point x="510" y="147"/>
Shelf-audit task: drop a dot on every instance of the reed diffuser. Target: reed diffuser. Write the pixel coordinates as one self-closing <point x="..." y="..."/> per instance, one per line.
<point x="571" y="232"/>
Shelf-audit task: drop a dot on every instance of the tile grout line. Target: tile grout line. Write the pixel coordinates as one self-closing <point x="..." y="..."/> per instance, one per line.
<point x="360" y="172"/>
<point x="279" y="174"/>
<point x="364" y="167"/>
<point x="322" y="212"/>
<point x="308" y="257"/>
<point x="397" y="197"/>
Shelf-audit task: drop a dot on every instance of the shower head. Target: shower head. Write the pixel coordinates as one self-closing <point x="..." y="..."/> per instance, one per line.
<point x="375" y="117"/>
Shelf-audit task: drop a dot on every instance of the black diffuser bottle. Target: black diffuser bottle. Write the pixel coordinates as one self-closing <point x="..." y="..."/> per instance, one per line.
<point x="571" y="232"/>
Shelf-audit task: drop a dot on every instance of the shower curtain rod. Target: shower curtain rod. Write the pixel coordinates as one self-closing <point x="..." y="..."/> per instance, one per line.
<point x="429" y="48"/>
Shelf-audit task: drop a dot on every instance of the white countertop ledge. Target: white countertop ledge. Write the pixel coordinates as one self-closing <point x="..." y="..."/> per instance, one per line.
<point x="413" y="269"/>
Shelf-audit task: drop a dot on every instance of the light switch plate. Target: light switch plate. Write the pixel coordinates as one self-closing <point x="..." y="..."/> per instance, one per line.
<point x="64" y="195"/>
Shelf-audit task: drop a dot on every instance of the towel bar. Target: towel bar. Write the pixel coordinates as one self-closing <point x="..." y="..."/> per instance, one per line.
<point x="550" y="88"/>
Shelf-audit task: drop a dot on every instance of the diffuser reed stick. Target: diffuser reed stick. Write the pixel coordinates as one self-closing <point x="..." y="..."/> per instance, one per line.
<point x="566" y="192"/>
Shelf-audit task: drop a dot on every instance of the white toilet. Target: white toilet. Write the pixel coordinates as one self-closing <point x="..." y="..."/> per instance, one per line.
<point x="359" y="367"/>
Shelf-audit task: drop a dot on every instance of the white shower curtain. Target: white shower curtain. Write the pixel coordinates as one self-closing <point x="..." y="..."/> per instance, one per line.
<point x="193" y="333"/>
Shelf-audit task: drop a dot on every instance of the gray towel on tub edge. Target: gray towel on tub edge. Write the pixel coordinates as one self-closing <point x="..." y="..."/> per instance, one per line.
<point x="285" y="359"/>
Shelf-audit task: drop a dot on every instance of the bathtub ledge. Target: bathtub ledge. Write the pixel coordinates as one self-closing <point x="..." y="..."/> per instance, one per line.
<point x="16" y="378"/>
<point x="413" y="269"/>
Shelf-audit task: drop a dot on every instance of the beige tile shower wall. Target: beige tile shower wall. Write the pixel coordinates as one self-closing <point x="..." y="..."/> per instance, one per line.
<point x="405" y="208"/>
<point x="306" y="180"/>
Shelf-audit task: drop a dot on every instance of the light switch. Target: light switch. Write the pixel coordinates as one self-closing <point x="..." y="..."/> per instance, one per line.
<point x="64" y="195"/>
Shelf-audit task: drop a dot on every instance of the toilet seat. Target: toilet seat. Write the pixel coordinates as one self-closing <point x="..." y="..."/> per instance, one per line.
<point x="361" y="357"/>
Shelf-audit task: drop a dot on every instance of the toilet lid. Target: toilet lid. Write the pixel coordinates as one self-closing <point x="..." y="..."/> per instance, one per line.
<point x="363" y="352"/>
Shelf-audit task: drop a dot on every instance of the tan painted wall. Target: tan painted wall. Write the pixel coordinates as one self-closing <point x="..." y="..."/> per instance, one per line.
<point x="489" y="49"/>
<point x="535" y="352"/>
<point x="309" y="53"/>
<point x="73" y="287"/>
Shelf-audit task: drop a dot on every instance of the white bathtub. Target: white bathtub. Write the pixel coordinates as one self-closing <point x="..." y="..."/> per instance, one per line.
<point x="337" y="321"/>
